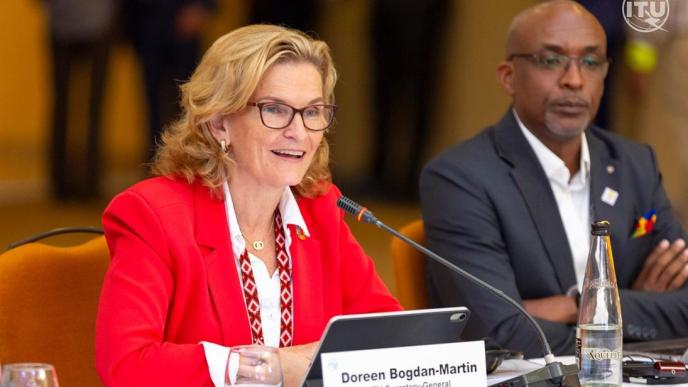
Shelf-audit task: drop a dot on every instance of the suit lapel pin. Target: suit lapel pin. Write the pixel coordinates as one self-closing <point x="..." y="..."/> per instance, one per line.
<point x="609" y="196"/>
<point x="610" y="169"/>
<point x="300" y="234"/>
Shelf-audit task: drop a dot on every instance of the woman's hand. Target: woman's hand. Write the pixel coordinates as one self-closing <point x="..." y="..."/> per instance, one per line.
<point x="295" y="361"/>
<point x="253" y="364"/>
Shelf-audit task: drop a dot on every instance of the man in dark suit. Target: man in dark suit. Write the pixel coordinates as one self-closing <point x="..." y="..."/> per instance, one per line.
<point x="513" y="205"/>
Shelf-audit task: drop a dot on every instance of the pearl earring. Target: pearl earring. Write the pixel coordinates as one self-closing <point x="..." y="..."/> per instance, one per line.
<point x="223" y="145"/>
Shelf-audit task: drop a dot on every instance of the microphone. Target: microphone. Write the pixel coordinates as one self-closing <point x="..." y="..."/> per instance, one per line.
<point x="554" y="373"/>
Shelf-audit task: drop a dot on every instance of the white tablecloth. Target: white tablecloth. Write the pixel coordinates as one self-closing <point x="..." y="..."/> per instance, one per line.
<point x="511" y="368"/>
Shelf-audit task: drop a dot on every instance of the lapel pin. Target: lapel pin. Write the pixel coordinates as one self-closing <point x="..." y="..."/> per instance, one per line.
<point x="610" y="169"/>
<point x="609" y="196"/>
<point x="300" y="234"/>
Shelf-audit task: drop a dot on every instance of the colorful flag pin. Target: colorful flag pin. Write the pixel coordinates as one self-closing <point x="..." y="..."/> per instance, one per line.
<point x="644" y="224"/>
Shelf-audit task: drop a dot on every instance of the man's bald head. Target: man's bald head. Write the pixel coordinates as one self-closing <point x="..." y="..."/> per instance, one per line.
<point x="543" y="16"/>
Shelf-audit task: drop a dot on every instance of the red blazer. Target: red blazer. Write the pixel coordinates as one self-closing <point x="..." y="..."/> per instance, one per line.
<point x="173" y="282"/>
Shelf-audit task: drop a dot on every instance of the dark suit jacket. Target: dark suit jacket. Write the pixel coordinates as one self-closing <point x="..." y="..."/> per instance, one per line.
<point x="488" y="207"/>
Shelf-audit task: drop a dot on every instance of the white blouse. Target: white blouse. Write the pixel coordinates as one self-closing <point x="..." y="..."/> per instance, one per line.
<point x="268" y="286"/>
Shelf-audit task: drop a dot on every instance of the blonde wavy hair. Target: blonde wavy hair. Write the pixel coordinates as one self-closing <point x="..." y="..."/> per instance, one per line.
<point x="222" y="84"/>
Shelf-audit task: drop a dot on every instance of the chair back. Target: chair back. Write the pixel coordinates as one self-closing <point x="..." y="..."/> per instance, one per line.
<point x="48" y="305"/>
<point x="409" y="268"/>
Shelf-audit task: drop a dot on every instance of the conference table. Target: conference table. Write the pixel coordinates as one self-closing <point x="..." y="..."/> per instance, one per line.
<point x="511" y="368"/>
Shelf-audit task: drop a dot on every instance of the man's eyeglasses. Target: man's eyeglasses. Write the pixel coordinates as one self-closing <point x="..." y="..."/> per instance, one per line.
<point x="591" y="63"/>
<point x="277" y="115"/>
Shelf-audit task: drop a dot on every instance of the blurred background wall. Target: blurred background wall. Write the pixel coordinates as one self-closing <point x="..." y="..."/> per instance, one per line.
<point x="468" y="98"/>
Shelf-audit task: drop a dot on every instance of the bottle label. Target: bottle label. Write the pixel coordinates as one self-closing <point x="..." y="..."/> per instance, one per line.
<point x="601" y="354"/>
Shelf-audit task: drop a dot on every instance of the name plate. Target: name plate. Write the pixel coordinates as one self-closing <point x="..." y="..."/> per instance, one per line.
<point x="439" y="365"/>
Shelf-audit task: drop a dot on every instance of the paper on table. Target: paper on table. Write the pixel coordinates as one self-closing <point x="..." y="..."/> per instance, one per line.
<point x="512" y="368"/>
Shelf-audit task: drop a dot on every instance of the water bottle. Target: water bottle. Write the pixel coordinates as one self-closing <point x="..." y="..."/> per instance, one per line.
<point x="599" y="336"/>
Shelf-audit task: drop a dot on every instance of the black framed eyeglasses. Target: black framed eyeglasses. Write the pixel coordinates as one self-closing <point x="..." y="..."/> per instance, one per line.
<point x="591" y="63"/>
<point x="277" y="115"/>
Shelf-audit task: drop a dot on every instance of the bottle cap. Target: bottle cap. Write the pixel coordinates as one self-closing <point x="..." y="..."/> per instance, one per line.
<point x="601" y="227"/>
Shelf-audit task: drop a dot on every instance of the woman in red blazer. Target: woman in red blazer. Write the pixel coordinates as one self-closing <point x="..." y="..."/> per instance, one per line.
<point x="239" y="239"/>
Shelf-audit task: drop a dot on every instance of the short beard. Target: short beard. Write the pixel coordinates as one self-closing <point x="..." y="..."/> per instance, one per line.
<point x="564" y="133"/>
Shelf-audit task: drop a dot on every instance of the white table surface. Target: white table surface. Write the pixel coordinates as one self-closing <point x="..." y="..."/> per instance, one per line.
<point x="511" y="368"/>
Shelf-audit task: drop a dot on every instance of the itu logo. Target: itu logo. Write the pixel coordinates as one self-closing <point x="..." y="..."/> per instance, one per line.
<point x="646" y="15"/>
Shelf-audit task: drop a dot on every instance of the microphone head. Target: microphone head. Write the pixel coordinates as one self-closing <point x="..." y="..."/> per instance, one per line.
<point x="361" y="213"/>
<point x="348" y="205"/>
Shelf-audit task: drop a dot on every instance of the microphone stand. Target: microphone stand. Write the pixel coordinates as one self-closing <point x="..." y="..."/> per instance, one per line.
<point x="552" y="374"/>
